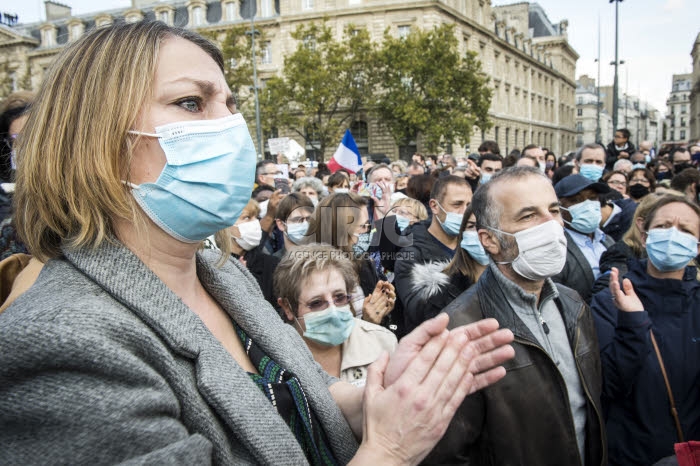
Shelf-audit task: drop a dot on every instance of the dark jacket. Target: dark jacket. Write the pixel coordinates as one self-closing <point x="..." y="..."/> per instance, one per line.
<point x="525" y="418"/>
<point x="425" y="248"/>
<point x="432" y="291"/>
<point x="387" y="241"/>
<point x="613" y="154"/>
<point x="621" y="222"/>
<point x="640" y="427"/>
<point x="577" y="273"/>
<point x="617" y="256"/>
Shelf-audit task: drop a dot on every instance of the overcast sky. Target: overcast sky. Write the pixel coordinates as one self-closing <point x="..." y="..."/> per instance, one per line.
<point x="656" y="37"/>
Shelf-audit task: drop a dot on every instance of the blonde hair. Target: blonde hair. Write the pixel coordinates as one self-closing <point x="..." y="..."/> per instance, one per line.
<point x="416" y="207"/>
<point x="75" y="151"/>
<point x="633" y="237"/>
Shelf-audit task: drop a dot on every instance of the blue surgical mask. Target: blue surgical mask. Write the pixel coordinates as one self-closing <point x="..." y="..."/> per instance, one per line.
<point x="590" y="171"/>
<point x="647" y="158"/>
<point x="585" y="216"/>
<point x="638" y="165"/>
<point x="452" y="222"/>
<point x="329" y="327"/>
<point x="486" y="177"/>
<point x="669" y="249"/>
<point x="362" y="244"/>
<point x="470" y="243"/>
<point x="207" y="179"/>
<point x="296" y="232"/>
<point x="402" y="222"/>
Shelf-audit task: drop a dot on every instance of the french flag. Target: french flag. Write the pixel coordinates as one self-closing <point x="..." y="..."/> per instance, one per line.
<point x="347" y="156"/>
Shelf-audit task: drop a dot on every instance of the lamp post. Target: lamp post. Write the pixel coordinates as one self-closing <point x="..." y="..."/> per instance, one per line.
<point x="258" y="131"/>
<point x="616" y="64"/>
<point x="597" y="103"/>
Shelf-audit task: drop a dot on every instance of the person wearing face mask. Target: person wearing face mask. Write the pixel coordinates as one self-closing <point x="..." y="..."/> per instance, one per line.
<point x="341" y="221"/>
<point x="436" y="284"/>
<point x="547" y="408"/>
<point x="534" y="151"/>
<point x="246" y="247"/>
<point x="338" y="182"/>
<point x="313" y="286"/>
<point x="292" y="219"/>
<point x="434" y="241"/>
<point x="653" y="309"/>
<point x="680" y="159"/>
<point x="166" y="352"/>
<point x="641" y="182"/>
<point x="589" y="161"/>
<point x="586" y="242"/>
<point x="309" y="186"/>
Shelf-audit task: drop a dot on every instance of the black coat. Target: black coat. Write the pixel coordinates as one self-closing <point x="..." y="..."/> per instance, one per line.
<point x="577" y="273"/>
<point x="613" y="154"/>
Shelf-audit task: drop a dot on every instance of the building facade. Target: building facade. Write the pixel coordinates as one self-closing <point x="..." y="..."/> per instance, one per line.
<point x="695" y="92"/>
<point x="528" y="58"/>
<point x="591" y="126"/>
<point x="643" y="121"/>
<point x="679" y="112"/>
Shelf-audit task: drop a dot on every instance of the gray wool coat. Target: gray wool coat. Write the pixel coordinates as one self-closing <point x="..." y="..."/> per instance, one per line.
<point x="100" y="363"/>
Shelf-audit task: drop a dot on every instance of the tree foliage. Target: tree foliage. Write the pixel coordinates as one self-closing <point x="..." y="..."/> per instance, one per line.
<point x="429" y="89"/>
<point x="324" y="84"/>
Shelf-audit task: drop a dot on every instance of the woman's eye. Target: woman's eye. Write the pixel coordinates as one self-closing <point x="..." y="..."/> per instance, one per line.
<point x="191" y="104"/>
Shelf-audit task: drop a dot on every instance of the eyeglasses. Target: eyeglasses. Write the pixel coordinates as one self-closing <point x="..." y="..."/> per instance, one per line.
<point x="643" y="181"/>
<point x="273" y="173"/>
<point x="318" y="304"/>
<point x="365" y="227"/>
<point x="617" y="182"/>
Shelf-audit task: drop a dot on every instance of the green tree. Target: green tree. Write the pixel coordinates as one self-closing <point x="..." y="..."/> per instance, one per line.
<point x="428" y="88"/>
<point x="324" y="84"/>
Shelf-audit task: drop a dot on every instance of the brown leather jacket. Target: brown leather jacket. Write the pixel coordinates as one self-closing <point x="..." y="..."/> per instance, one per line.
<point x="525" y="418"/>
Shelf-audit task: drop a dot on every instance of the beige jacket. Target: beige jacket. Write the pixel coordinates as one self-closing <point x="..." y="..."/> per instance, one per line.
<point x="364" y="345"/>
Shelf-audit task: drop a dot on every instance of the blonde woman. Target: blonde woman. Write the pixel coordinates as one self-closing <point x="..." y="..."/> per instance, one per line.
<point x="133" y="345"/>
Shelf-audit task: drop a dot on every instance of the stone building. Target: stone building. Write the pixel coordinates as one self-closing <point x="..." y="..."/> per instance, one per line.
<point x="678" y="116"/>
<point x="587" y="115"/>
<point x="530" y="62"/>
<point x="695" y="92"/>
<point x="643" y="121"/>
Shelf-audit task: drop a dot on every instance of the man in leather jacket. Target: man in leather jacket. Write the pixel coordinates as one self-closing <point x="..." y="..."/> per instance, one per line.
<point x="546" y="410"/>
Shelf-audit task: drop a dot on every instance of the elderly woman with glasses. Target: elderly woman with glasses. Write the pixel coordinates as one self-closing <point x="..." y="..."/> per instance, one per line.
<point x="313" y="285"/>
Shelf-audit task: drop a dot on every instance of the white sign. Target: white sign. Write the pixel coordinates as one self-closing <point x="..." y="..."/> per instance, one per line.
<point x="278" y="145"/>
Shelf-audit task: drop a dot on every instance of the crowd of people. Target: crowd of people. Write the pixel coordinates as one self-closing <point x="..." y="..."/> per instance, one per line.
<point x="166" y="299"/>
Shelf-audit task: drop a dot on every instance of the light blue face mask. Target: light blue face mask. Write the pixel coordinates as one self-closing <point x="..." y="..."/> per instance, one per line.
<point x="669" y="249"/>
<point x="452" y="222"/>
<point x="486" y="177"/>
<point x="647" y="158"/>
<point x="402" y="222"/>
<point x="329" y="327"/>
<point x="470" y="243"/>
<point x="207" y="179"/>
<point x="590" y="171"/>
<point x="296" y="232"/>
<point x="585" y="216"/>
<point x="638" y="165"/>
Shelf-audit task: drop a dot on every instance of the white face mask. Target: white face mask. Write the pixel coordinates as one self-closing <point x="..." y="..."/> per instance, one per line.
<point x="543" y="166"/>
<point x="251" y="234"/>
<point x="542" y="251"/>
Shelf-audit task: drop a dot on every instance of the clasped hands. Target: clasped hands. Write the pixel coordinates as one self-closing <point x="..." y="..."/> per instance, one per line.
<point x="411" y="396"/>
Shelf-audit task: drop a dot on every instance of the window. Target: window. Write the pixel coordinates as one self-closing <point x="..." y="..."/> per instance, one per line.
<point x="361" y="136"/>
<point x="47" y="38"/>
<point x="164" y="17"/>
<point x="579" y="127"/>
<point x="197" y="16"/>
<point x="310" y="42"/>
<point x="496" y="133"/>
<point x="307" y="4"/>
<point x="672" y="134"/>
<point x="507" y="140"/>
<point x="404" y="31"/>
<point x="684" y="108"/>
<point x="312" y="143"/>
<point x="266" y="53"/>
<point x="266" y="8"/>
<point x="579" y="112"/>
<point x="230" y="11"/>
<point x="682" y="135"/>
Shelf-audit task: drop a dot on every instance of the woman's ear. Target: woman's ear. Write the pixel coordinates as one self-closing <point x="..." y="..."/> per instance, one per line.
<point x="284" y="305"/>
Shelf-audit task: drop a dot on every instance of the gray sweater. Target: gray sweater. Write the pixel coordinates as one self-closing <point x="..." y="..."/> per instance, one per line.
<point x="101" y="363"/>
<point x="555" y="343"/>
